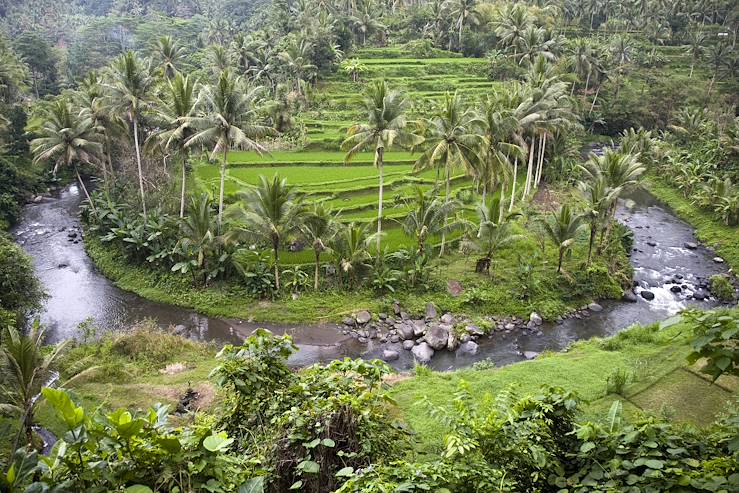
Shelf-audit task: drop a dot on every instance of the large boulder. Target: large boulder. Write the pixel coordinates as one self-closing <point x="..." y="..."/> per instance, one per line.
<point x="536" y="318"/>
<point x="431" y="311"/>
<point x="419" y="328"/>
<point x="390" y="355"/>
<point x="595" y="307"/>
<point x="530" y="354"/>
<point x="405" y="330"/>
<point x="363" y="317"/>
<point x="474" y="330"/>
<point x="647" y="295"/>
<point x="408" y="344"/>
<point x="447" y="318"/>
<point x="437" y="337"/>
<point x="469" y="347"/>
<point x="423" y="353"/>
<point x="690" y="245"/>
<point x="452" y="342"/>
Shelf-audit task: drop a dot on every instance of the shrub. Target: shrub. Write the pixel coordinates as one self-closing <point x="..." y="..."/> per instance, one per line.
<point x="616" y="381"/>
<point x="20" y="290"/>
<point x="722" y="287"/>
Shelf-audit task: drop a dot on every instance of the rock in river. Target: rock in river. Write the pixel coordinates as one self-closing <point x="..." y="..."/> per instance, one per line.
<point x="408" y="344"/>
<point x="530" y="354"/>
<point x="595" y="307"/>
<point x="390" y="355"/>
<point x="690" y="245"/>
<point x="423" y="352"/>
<point x="647" y="295"/>
<point x="469" y="347"/>
<point x="629" y="297"/>
<point x="536" y="318"/>
<point x="437" y="337"/>
<point x="363" y="317"/>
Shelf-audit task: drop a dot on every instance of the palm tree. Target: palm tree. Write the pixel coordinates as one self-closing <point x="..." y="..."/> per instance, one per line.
<point x="199" y="238"/>
<point x="351" y="245"/>
<point x="426" y="217"/>
<point x="26" y="367"/>
<point x="452" y="143"/>
<point x="562" y="230"/>
<point x="353" y="68"/>
<point x="169" y="55"/>
<point x="386" y="126"/>
<point x="175" y="112"/>
<point x="510" y="28"/>
<point x="218" y="59"/>
<point x="598" y="199"/>
<point x="695" y="49"/>
<point x="227" y="121"/>
<point x="319" y="226"/>
<point x="130" y="89"/>
<point x="66" y="139"/>
<point x="465" y="13"/>
<point x="296" y="61"/>
<point x="366" y="23"/>
<point x="494" y="231"/>
<point x="267" y="213"/>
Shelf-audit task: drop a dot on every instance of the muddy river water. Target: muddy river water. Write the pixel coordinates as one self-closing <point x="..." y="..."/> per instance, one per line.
<point x="50" y="232"/>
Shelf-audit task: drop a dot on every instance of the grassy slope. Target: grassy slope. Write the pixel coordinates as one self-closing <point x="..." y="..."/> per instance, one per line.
<point x="661" y="382"/>
<point x="131" y="377"/>
<point x="722" y="238"/>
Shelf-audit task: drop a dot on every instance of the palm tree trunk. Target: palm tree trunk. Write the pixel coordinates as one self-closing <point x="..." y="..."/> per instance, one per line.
<point x="597" y="91"/>
<point x="446" y="217"/>
<point x="542" y="150"/>
<point x="184" y="184"/>
<point x="84" y="188"/>
<point x="276" y="250"/>
<point x="138" y="163"/>
<point x="107" y="152"/>
<point x="561" y="256"/>
<point x="593" y="232"/>
<point x="379" y="155"/>
<point x="317" y="271"/>
<point x="220" y="191"/>
<point x="513" y="184"/>
<point x="692" y="66"/>
<point x="529" y="168"/>
<point x="587" y="82"/>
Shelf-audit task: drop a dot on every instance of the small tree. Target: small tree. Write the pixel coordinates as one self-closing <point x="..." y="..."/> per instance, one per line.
<point x="319" y="226"/>
<point x="562" y="229"/>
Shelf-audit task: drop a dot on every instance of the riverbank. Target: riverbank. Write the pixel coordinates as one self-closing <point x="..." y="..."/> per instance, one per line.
<point x="658" y="380"/>
<point x="723" y="239"/>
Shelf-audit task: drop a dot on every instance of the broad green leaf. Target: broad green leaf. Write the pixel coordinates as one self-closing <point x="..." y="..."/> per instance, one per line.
<point x="254" y="485"/>
<point x="309" y="466"/>
<point x="138" y="488"/>
<point x="296" y="485"/>
<point x="327" y="442"/>
<point x="217" y="443"/>
<point x="345" y="472"/>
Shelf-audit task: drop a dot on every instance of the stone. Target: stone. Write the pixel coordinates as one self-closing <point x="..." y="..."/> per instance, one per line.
<point x="390" y="355"/>
<point x="469" y="347"/>
<point x="629" y="297"/>
<point x="595" y="307"/>
<point x="454" y="288"/>
<point x="431" y="311"/>
<point x="652" y="243"/>
<point x="363" y="317"/>
<point x="536" y="318"/>
<point x="350" y="321"/>
<point x="676" y="289"/>
<point x="437" y="337"/>
<point x="382" y="316"/>
<point x="465" y="338"/>
<point x="423" y="353"/>
<point x="647" y="295"/>
<point x="408" y="345"/>
<point x="699" y="295"/>
<point x="474" y="330"/>
<point x="404" y="316"/>
<point x="396" y="308"/>
<point x="452" y="342"/>
<point x="395" y="338"/>
<point x="447" y="318"/>
<point x="363" y="340"/>
<point x="509" y="326"/>
<point x="179" y="330"/>
<point x="718" y="260"/>
<point x="530" y="354"/>
<point x="690" y="245"/>
<point x="406" y="331"/>
<point x="419" y="328"/>
<point x="38" y="199"/>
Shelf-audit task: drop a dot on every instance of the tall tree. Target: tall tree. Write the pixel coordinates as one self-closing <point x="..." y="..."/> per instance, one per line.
<point x="386" y="126"/>
<point x="228" y="120"/>
<point x="169" y="56"/>
<point x="452" y="143"/>
<point x="267" y="214"/>
<point x="464" y="12"/>
<point x="129" y="92"/>
<point x="66" y="140"/>
<point x="562" y="228"/>
<point x="319" y="226"/>
<point x="426" y="217"/>
<point x="175" y="112"/>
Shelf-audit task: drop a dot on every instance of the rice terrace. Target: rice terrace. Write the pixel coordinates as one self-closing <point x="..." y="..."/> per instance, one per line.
<point x="439" y="246"/>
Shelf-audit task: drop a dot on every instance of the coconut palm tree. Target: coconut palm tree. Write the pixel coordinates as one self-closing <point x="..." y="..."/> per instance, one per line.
<point x="227" y="120"/>
<point x="426" y="217"/>
<point x="598" y="199"/>
<point x="510" y="28"/>
<point x="168" y="55"/>
<point x="695" y="48"/>
<point x="452" y="143"/>
<point x="365" y="23"/>
<point x="351" y="245"/>
<point x="129" y="93"/>
<point x="319" y="226"/>
<point x="464" y="12"/>
<point x="267" y="214"/>
<point x="295" y="60"/>
<point x="218" y="58"/>
<point x="175" y="112"/>
<point x="66" y="140"/>
<point x="199" y="238"/>
<point x="562" y="229"/>
<point x="27" y="366"/>
<point x="494" y="230"/>
<point x="386" y="126"/>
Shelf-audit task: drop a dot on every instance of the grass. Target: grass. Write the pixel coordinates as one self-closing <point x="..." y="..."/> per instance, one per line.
<point x="314" y="157"/>
<point x="710" y="231"/>
<point x="660" y="382"/>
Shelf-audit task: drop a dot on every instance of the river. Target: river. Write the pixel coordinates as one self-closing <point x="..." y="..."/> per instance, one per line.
<point x="50" y="232"/>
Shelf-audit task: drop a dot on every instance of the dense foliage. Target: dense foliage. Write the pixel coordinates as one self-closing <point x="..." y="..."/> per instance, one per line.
<point x="20" y="290"/>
